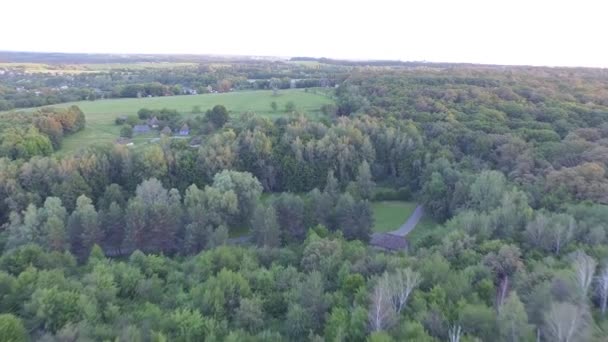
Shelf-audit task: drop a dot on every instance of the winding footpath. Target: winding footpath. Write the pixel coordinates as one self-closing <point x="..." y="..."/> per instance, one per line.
<point x="411" y="222"/>
<point x="405" y="228"/>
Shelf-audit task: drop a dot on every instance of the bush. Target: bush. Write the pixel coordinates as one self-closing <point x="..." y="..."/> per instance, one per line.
<point x="218" y="116"/>
<point x="132" y="120"/>
<point x="145" y="113"/>
<point x="12" y="329"/>
<point x="290" y="106"/>
<point x="126" y="131"/>
<point x="329" y="109"/>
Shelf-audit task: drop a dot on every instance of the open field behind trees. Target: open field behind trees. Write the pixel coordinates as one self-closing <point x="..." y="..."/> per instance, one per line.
<point x="100" y="115"/>
<point x="33" y="68"/>
<point x="390" y="215"/>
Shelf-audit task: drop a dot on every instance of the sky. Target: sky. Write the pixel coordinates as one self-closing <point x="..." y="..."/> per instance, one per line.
<point x="515" y="32"/>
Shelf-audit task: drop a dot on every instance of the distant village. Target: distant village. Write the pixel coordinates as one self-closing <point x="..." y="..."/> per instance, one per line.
<point x="153" y="125"/>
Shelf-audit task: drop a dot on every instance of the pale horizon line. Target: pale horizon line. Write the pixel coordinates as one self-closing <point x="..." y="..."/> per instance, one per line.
<point x="286" y="57"/>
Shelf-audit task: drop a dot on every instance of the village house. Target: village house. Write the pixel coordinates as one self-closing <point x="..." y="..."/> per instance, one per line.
<point x="166" y="131"/>
<point x="121" y="119"/>
<point x="184" y="131"/>
<point x="124" y="141"/>
<point x="139" y="129"/>
<point x="153" y="122"/>
<point x="195" y="142"/>
<point x="189" y="91"/>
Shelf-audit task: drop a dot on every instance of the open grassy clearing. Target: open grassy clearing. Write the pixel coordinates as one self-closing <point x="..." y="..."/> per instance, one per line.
<point x="135" y="66"/>
<point x="390" y="215"/>
<point x="105" y="111"/>
<point x="101" y="114"/>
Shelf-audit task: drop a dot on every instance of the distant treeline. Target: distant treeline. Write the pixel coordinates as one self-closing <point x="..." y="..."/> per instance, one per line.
<point x="99" y="58"/>
<point x="385" y="63"/>
<point x="21" y="89"/>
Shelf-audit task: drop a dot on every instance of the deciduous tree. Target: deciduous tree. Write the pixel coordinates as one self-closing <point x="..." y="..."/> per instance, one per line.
<point x="513" y="320"/>
<point x="567" y="322"/>
<point x="265" y="227"/>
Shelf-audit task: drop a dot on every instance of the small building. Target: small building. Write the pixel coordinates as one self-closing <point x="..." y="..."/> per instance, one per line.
<point x="388" y="242"/>
<point x="166" y="131"/>
<point x="124" y="141"/>
<point x="189" y="91"/>
<point x="121" y="119"/>
<point x="184" y="131"/>
<point x="153" y="122"/>
<point x="195" y="142"/>
<point x="140" y="129"/>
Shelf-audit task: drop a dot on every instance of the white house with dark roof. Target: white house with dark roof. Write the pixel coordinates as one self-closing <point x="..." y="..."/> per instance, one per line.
<point x="184" y="131"/>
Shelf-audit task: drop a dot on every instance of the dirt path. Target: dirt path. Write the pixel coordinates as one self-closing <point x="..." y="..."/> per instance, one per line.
<point x="411" y="222"/>
<point x="405" y="229"/>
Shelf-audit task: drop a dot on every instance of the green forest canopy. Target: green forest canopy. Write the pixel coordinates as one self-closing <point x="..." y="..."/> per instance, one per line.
<point x="118" y="243"/>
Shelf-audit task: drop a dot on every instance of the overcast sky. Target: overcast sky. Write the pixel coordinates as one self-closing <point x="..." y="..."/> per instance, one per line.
<point x="534" y="32"/>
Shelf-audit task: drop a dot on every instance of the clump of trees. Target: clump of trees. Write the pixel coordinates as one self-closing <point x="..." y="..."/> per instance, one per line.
<point x="218" y="116"/>
<point x="23" y="136"/>
<point x="160" y="220"/>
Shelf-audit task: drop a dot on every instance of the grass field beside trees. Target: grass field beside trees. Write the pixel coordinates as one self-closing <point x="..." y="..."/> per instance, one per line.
<point x="100" y="114"/>
<point x="390" y="215"/>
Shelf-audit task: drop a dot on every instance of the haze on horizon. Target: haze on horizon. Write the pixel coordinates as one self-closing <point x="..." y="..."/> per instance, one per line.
<point x="518" y="32"/>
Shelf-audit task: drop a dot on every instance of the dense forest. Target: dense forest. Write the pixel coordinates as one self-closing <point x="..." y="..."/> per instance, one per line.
<point x="261" y="233"/>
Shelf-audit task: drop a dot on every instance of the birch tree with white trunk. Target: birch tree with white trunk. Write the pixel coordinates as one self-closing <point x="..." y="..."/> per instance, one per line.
<point x="390" y="297"/>
<point x="454" y="333"/>
<point x="602" y="288"/>
<point x="567" y="322"/>
<point x="381" y="313"/>
<point x="584" y="268"/>
<point x="402" y="283"/>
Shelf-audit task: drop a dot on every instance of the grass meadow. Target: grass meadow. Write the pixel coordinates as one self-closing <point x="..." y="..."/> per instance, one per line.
<point x="390" y="215"/>
<point x="101" y="114"/>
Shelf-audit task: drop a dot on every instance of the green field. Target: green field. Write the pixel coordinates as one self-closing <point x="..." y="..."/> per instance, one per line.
<point x="32" y="68"/>
<point x="390" y="215"/>
<point x="100" y="114"/>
